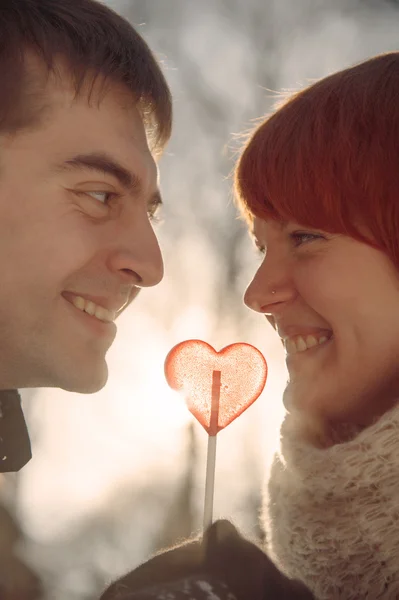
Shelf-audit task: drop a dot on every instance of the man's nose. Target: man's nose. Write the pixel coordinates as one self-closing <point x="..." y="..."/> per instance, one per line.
<point x="136" y="256"/>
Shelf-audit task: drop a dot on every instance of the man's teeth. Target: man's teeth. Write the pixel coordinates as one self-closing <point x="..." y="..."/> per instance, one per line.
<point x="301" y="343"/>
<point x="103" y="314"/>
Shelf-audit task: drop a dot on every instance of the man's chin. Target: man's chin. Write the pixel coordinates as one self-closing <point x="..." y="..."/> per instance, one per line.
<point x="71" y="378"/>
<point x="90" y="386"/>
<point x="83" y="382"/>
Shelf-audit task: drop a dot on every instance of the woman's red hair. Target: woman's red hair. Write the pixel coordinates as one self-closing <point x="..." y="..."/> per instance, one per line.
<point x="329" y="157"/>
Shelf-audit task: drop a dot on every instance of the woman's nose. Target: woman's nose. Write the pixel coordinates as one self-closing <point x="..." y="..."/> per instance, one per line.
<point x="269" y="289"/>
<point x="259" y="294"/>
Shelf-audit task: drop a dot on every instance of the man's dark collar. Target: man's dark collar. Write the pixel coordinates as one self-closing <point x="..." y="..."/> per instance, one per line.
<point x="15" y="448"/>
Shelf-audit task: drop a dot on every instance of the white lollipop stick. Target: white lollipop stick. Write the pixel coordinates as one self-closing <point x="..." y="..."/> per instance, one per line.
<point x="211" y="456"/>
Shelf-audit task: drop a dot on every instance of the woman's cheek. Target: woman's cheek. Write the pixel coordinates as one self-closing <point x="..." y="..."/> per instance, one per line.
<point x="323" y="285"/>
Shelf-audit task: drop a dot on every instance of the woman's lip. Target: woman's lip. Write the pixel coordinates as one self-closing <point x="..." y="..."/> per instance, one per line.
<point x="290" y="358"/>
<point x="317" y="336"/>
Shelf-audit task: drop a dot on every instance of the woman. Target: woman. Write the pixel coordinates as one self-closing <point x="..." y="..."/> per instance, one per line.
<point x="318" y="183"/>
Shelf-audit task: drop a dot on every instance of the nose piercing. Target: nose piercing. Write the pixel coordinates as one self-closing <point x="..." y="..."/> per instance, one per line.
<point x="273" y="291"/>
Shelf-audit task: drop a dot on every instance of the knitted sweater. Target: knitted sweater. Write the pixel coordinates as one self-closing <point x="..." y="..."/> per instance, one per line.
<point x="332" y="515"/>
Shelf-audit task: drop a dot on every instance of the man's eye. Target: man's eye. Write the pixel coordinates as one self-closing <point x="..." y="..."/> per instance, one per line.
<point x="153" y="212"/>
<point x="304" y="237"/>
<point x="154" y="217"/>
<point x="103" y="197"/>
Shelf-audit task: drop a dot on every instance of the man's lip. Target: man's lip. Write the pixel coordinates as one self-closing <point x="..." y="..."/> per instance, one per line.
<point x="102" y="328"/>
<point x="108" y="303"/>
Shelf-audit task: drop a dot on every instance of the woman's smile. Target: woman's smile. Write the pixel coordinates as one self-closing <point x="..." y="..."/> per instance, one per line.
<point x="300" y="343"/>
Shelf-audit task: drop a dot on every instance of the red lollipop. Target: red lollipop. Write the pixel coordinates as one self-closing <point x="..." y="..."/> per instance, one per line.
<point x="218" y="387"/>
<point x="189" y="367"/>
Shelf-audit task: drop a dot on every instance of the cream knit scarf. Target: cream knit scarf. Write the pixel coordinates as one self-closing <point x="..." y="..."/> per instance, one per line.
<point x="332" y="515"/>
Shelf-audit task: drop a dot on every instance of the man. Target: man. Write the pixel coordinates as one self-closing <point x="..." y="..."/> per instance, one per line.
<point x="84" y="112"/>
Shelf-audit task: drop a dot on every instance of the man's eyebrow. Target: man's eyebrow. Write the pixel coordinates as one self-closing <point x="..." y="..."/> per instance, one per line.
<point x="103" y="163"/>
<point x="106" y="164"/>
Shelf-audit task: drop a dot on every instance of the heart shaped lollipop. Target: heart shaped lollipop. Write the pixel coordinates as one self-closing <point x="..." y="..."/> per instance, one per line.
<point x="218" y="387"/>
<point x="189" y="367"/>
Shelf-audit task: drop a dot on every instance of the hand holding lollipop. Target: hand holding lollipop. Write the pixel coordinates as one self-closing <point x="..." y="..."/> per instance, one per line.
<point x="218" y="388"/>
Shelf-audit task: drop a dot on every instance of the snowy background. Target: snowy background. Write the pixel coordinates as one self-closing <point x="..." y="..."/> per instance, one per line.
<point x="119" y="474"/>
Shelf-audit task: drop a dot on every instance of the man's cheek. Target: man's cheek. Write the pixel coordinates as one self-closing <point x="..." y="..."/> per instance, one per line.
<point x="133" y="294"/>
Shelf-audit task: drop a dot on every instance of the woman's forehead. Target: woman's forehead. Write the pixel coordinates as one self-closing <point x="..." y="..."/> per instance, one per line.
<point x="260" y="227"/>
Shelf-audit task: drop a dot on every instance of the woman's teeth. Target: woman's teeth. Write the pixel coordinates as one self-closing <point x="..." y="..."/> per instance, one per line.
<point x="87" y="306"/>
<point x="301" y="343"/>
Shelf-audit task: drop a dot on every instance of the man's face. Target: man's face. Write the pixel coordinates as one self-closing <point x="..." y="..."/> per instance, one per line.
<point x="76" y="199"/>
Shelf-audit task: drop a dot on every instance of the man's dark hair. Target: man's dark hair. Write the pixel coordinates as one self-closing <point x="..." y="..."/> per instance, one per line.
<point x="91" y="40"/>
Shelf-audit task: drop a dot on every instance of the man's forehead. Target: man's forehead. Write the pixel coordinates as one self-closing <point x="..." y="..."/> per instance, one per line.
<point x="112" y="138"/>
<point x="52" y="89"/>
<point x="59" y="83"/>
<point x="109" y="127"/>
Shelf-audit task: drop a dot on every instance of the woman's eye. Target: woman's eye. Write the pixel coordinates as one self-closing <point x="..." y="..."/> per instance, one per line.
<point x="259" y="248"/>
<point x="303" y="237"/>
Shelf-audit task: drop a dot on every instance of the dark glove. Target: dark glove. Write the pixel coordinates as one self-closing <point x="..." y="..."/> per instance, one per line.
<point x="222" y="565"/>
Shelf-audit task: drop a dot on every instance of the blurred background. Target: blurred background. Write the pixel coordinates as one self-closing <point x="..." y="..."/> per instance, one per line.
<point x="119" y="474"/>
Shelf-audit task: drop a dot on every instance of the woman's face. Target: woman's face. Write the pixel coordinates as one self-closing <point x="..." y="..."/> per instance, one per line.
<point x="334" y="301"/>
